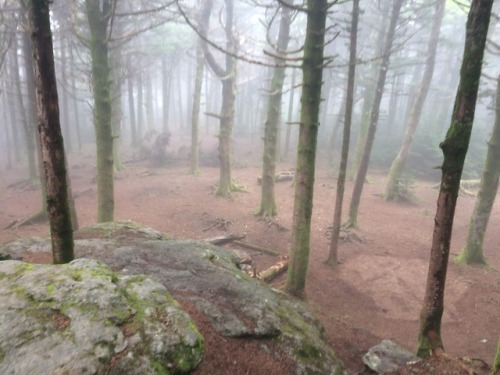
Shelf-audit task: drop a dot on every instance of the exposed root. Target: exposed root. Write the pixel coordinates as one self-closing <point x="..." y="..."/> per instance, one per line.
<point x="219" y="223"/>
<point x="346" y="235"/>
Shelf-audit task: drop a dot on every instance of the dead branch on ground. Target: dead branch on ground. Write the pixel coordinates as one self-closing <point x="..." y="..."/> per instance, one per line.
<point x="34" y="219"/>
<point x="221" y="240"/>
<point x="257" y="248"/>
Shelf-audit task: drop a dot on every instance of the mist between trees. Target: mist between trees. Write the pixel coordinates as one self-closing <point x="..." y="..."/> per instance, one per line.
<point x="133" y="74"/>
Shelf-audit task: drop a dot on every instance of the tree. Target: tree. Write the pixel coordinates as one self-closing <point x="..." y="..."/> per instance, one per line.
<point x="374" y="115"/>
<point x="49" y="127"/>
<point x="496" y="363"/>
<point x="454" y="149"/>
<point x="337" y="218"/>
<point x="399" y="162"/>
<point x="472" y="253"/>
<point x="227" y="75"/>
<point x="267" y="205"/>
<point x="99" y="14"/>
<point x="312" y="68"/>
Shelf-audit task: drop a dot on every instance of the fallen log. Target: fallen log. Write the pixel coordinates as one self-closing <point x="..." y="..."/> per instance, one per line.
<point x="34" y="219"/>
<point x="257" y="248"/>
<point x="274" y="271"/>
<point x="221" y="240"/>
<point x="280" y="177"/>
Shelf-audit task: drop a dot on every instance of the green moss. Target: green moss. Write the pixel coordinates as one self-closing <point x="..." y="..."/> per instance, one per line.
<point x="2" y="275"/>
<point x="158" y="366"/>
<point x="51" y="289"/>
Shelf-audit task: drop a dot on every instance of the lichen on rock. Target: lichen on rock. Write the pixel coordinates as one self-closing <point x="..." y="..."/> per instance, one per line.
<point x="82" y="318"/>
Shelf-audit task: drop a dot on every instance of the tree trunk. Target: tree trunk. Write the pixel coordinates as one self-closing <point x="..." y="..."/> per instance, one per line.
<point x="473" y="250"/>
<point x="370" y="92"/>
<point x="267" y="199"/>
<point x="131" y="104"/>
<point x="116" y="107"/>
<point x="166" y="74"/>
<point x="290" y="114"/>
<point x="140" y="107"/>
<point x="27" y="126"/>
<point x="66" y="126"/>
<point x="337" y="217"/>
<point x="454" y="149"/>
<point x="31" y="109"/>
<point x="75" y="100"/>
<point x="195" y="115"/>
<point x="228" y="78"/>
<point x="398" y="165"/>
<point x="312" y="68"/>
<point x="496" y="363"/>
<point x="98" y="21"/>
<point x="50" y="132"/>
<point x="374" y="114"/>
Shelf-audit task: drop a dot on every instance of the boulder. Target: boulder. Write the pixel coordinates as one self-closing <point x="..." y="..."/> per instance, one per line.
<point x="388" y="356"/>
<point x="210" y="279"/>
<point x="82" y="318"/>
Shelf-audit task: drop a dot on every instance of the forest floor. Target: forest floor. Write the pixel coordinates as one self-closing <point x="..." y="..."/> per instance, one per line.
<point x="375" y="293"/>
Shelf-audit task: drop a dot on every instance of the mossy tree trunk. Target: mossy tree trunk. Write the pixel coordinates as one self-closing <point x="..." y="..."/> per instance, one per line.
<point x="374" y="114"/>
<point x="267" y="205"/>
<point x="454" y="149"/>
<point x="337" y="217"/>
<point x="49" y="128"/>
<point x="398" y="165"/>
<point x="472" y="253"/>
<point x="116" y="106"/>
<point x="312" y="68"/>
<point x="98" y="15"/>
<point x="227" y="76"/>
<point x="496" y="363"/>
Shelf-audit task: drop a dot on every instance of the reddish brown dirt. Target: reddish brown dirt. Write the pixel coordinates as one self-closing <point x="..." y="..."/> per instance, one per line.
<point x="375" y="293"/>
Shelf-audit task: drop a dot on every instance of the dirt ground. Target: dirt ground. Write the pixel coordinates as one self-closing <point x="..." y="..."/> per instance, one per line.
<point x="375" y="293"/>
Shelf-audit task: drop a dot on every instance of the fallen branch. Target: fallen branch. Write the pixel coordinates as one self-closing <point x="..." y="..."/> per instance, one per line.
<point x="257" y="248"/>
<point x="280" y="176"/>
<point x="221" y="240"/>
<point x="34" y="219"/>
<point x="274" y="271"/>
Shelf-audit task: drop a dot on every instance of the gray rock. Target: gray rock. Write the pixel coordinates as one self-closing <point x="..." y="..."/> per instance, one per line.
<point x="82" y="318"/>
<point x="388" y="356"/>
<point x="210" y="278"/>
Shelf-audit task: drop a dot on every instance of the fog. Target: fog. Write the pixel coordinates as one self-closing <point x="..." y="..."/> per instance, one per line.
<point x="153" y="54"/>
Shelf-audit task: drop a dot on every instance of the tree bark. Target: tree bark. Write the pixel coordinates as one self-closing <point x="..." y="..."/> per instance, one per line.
<point x="267" y="205"/>
<point x="496" y="362"/>
<point x="374" y="114"/>
<point x="49" y="127"/>
<point x="454" y="149"/>
<point x="98" y="21"/>
<point x="399" y="162"/>
<point x="472" y="253"/>
<point x="290" y="114"/>
<point x="337" y="217"/>
<point x="195" y="115"/>
<point x="131" y="104"/>
<point x="312" y="67"/>
<point x="228" y="78"/>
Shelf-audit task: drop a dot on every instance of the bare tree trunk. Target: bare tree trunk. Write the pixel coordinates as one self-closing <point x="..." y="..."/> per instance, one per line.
<point x="131" y="104"/>
<point x="337" y="217"/>
<point x="195" y="115"/>
<point x="374" y="114"/>
<point x="399" y="163"/>
<point x="312" y="68"/>
<point x="267" y="205"/>
<point x="166" y="75"/>
<point x="472" y="253"/>
<point x="98" y="20"/>
<point x="228" y="79"/>
<point x="28" y="128"/>
<point x="75" y="101"/>
<point x="66" y="126"/>
<point x="290" y="114"/>
<point x="50" y="132"/>
<point x="454" y="149"/>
